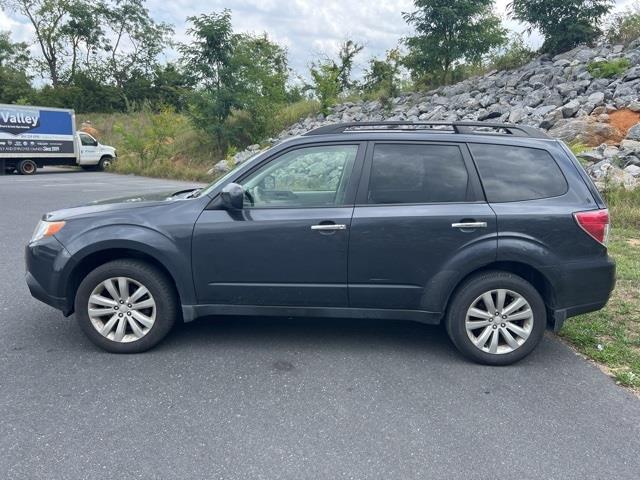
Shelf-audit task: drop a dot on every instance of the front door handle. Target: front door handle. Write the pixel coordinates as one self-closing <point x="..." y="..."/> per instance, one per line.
<point x="465" y="225"/>
<point x="328" y="227"/>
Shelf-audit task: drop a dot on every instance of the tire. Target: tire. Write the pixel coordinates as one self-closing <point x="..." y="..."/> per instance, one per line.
<point x="158" y="320"/>
<point x="27" y="167"/>
<point x="529" y="320"/>
<point x="104" y="163"/>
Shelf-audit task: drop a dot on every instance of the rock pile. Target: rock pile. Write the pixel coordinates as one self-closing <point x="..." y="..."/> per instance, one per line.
<point x="557" y="94"/>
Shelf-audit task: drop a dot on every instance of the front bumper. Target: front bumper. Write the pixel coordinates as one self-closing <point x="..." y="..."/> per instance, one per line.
<point x="45" y="261"/>
<point x="39" y="293"/>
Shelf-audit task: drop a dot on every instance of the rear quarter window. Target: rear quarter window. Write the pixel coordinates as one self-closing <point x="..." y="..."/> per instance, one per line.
<point x="512" y="174"/>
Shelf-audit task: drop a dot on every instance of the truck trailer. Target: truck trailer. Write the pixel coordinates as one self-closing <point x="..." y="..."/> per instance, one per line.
<point x="36" y="137"/>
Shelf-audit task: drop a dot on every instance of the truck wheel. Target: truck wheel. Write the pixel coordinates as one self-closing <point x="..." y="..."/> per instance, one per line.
<point x="496" y="318"/>
<point x="126" y="306"/>
<point x="104" y="163"/>
<point x="27" y="167"/>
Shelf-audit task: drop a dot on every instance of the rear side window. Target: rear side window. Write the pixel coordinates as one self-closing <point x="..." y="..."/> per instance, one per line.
<point x="511" y="174"/>
<point x="404" y="173"/>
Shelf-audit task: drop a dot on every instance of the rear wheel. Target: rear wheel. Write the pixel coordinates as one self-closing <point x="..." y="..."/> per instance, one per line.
<point x="496" y="318"/>
<point x="126" y="306"/>
<point x="27" y="167"/>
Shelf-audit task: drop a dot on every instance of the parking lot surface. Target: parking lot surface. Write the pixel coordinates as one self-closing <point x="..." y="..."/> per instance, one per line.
<point x="263" y="398"/>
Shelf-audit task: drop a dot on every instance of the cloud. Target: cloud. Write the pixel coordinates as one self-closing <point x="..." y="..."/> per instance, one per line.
<point x="308" y="28"/>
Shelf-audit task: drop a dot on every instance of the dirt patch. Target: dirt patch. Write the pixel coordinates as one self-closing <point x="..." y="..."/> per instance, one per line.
<point x="624" y="119"/>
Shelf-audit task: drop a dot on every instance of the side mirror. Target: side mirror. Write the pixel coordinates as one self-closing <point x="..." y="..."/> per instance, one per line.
<point x="232" y="197"/>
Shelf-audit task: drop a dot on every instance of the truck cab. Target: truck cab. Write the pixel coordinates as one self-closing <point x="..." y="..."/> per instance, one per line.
<point x="93" y="154"/>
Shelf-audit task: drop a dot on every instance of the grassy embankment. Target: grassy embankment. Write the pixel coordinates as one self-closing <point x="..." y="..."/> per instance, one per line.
<point x="611" y="336"/>
<point x="166" y="145"/>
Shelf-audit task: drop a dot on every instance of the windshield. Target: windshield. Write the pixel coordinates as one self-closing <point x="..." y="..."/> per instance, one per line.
<point x="220" y="181"/>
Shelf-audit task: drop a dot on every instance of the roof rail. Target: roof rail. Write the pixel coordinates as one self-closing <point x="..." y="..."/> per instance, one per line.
<point x="466" y="128"/>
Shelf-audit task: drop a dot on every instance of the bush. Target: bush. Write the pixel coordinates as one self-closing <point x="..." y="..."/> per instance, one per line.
<point x="515" y="55"/>
<point x="624" y="27"/>
<point x="292" y="113"/>
<point x="150" y="136"/>
<point x="608" y="69"/>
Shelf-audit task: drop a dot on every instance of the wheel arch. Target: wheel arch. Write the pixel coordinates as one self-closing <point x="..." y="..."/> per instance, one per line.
<point x="100" y="257"/>
<point x="524" y="270"/>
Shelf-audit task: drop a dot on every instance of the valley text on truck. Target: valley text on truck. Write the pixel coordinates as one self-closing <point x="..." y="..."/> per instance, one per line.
<point x="35" y="137"/>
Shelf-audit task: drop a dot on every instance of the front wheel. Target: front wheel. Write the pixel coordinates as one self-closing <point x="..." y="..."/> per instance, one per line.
<point x="126" y="306"/>
<point x="496" y="318"/>
<point x="104" y="163"/>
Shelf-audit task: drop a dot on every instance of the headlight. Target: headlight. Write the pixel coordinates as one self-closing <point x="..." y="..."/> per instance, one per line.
<point x="46" y="229"/>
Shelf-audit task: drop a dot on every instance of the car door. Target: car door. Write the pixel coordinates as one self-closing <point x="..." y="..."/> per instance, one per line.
<point x="288" y="245"/>
<point x="89" y="153"/>
<point x="419" y="207"/>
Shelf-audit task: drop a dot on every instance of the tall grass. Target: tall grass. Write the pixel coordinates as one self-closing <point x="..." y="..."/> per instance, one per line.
<point x="624" y="207"/>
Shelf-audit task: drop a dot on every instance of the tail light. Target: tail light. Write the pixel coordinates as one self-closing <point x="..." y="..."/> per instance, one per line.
<point x="595" y="223"/>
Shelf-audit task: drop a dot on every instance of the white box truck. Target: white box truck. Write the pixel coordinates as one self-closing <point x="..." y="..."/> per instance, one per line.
<point x="35" y="137"/>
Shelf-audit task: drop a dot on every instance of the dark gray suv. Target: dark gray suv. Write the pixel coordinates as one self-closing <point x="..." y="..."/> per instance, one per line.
<point x="494" y="230"/>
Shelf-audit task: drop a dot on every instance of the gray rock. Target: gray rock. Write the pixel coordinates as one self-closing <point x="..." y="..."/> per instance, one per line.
<point x="634" y="133"/>
<point x="632" y="74"/>
<point x="563" y="62"/>
<point x="632" y="146"/>
<point x="596" y="99"/>
<point x="571" y="108"/>
<point x="633" y="170"/>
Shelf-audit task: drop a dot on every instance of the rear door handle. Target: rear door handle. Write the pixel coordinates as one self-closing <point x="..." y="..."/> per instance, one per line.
<point x="469" y="225"/>
<point x="328" y="227"/>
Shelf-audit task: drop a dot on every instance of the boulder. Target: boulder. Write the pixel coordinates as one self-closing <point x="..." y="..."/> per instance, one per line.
<point x="584" y="130"/>
<point x="634" y="133"/>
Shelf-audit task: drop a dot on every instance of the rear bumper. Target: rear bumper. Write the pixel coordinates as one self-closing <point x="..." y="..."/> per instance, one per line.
<point x="580" y="287"/>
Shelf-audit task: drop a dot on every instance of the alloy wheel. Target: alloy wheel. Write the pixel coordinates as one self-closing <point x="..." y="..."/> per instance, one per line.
<point x="499" y="321"/>
<point x="122" y="309"/>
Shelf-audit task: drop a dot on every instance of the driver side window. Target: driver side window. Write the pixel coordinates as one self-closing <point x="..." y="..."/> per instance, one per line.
<point x="87" y="141"/>
<point x="305" y="177"/>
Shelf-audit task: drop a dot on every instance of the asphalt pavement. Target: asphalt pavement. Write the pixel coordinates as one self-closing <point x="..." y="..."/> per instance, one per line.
<point x="264" y="398"/>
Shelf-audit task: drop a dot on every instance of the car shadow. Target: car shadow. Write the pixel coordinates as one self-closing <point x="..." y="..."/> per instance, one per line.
<point x="251" y="332"/>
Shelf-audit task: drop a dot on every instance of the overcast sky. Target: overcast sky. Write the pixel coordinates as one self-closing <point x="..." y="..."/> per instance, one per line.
<point x="307" y="28"/>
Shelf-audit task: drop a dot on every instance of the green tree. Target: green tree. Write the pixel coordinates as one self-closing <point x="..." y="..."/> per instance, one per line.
<point x="15" y="83"/>
<point x="565" y="24"/>
<point x="83" y="33"/>
<point x="382" y="76"/>
<point x="135" y="40"/>
<point x="240" y="79"/>
<point x="47" y="17"/>
<point x="450" y="32"/>
<point x="347" y="54"/>
<point x="624" y="27"/>
<point x="260" y="72"/>
<point x="207" y="60"/>
<point x="333" y="77"/>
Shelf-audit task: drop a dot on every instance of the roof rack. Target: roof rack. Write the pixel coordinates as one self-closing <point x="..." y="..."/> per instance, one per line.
<point x="466" y="128"/>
